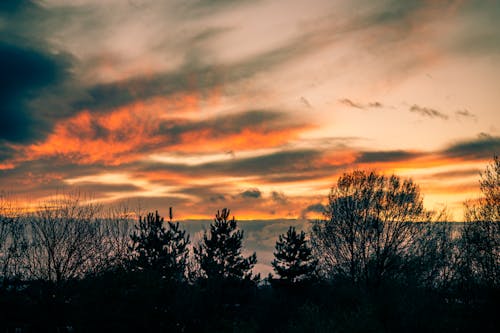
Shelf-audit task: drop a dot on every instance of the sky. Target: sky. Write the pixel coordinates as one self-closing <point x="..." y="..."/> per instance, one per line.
<point x="257" y="105"/>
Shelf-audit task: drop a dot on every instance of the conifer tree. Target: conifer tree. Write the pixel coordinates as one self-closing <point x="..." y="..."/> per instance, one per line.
<point x="219" y="253"/>
<point x="294" y="261"/>
<point x="155" y="247"/>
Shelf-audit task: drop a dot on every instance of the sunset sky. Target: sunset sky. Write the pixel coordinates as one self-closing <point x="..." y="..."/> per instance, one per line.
<point x="255" y="105"/>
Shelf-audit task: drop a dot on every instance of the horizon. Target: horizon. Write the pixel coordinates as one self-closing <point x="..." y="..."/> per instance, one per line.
<point x="256" y="106"/>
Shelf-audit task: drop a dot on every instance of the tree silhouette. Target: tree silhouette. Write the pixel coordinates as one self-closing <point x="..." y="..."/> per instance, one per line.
<point x="294" y="261"/>
<point x="480" y="241"/>
<point x="368" y="226"/>
<point x="158" y="248"/>
<point x="64" y="239"/>
<point x="219" y="253"/>
<point x="13" y="243"/>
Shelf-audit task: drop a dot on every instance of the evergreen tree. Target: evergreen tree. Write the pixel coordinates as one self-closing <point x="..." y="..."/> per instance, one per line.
<point x="294" y="261"/>
<point x="155" y="247"/>
<point x="219" y="253"/>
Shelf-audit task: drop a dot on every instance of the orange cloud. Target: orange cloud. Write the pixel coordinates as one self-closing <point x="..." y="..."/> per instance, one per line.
<point x="130" y="133"/>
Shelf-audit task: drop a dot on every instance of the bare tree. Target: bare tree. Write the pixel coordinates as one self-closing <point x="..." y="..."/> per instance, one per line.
<point x="434" y="254"/>
<point x="369" y="226"/>
<point x="117" y="226"/>
<point x="12" y="241"/>
<point x="480" y="243"/>
<point x="65" y="239"/>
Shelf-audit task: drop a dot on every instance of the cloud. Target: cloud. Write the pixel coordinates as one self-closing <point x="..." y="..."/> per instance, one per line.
<point x="465" y="114"/>
<point x="279" y="198"/>
<point x="314" y="208"/>
<point x="479" y="31"/>
<point x="350" y="103"/>
<point x="252" y="193"/>
<point x="386" y="156"/>
<point x="427" y="112"/>
<point x="127" y="134"/>
<point x="305" y="102"/>
<point x="101" y="188"/>
<point x="26" y="73"/>
<point x="458" y="174"/>
<point x="483" y="147"/>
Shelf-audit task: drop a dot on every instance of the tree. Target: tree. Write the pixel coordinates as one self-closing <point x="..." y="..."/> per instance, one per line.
<point x="434" y="255"/>
<point x="480" y="240"/>
<point x="65" y="241"/>
<point x="294" y="261"/>
<point x="219" y="253"/>
<point x="369" y="226"/>
<point x="12" y="242"/>
<point x="160" y="249"/>
<point x="117" y="226"/>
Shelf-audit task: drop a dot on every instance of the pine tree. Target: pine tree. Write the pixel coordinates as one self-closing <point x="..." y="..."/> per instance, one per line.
<point x="294" y="261"/>
<point x="155" y="247"/>
<point x="219" y="253"/>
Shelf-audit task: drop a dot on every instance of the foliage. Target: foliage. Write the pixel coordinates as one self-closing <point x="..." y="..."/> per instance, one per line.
<point x="219" y="253"/>
<point x="294" y="261"/>
<point x="155" y="247"/>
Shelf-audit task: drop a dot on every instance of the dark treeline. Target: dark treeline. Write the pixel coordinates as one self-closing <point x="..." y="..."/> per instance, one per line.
<point x="377" y="262"/>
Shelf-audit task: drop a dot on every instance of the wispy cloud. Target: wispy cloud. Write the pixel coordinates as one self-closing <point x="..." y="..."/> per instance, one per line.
<point x="483" y="147"/>
<point x="252" y="193"/>
<point x="428" y="112"/>
<point x="357" y="105"/>
<point x="465" y="114"/>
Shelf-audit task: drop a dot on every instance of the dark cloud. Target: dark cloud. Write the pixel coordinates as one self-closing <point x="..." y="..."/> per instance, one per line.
<point x="375" y="105"/>
<point x="99" y="188"/>
<point x="279" y="198"/>
<point x="455" y="174"/>
<point x="33" y="176"/>
<point x="465" y="114"/>
<point x="6" y="152"/>
<point x="211" y="193"/>
<point x="197" y="8"/>
<point x="253" y="193"/>
<point x="386" y="156"/>
<point x="26" y="73"/>
<point x="395" y="11"/>
<point x="217" y="198"/>
<point x="314" y="208"/>
<point x="37" y="77"/>
<point x="50" y="93"/>
<point x="13" y="6"/>
<point x="349" y="102"/>
<point x="192" y="76"/>
<point x="304" y="101"/>
<point x="427" y="112"/>
<point x="480" y="34"/>
<point x="223" y="125"/>
<point x="485" y="146"/>
<point x="279" y="164"/>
